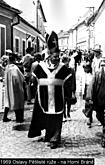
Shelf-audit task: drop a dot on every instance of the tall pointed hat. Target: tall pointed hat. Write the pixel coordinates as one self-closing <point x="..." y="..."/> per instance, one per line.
<point x="52" y="42"/>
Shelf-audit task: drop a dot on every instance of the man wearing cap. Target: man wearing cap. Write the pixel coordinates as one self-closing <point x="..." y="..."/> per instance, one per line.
<point x="49" y="100"/>
<point x="96" y="60"/>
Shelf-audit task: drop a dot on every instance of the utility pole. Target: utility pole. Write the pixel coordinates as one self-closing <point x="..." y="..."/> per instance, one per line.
<point x="93" y="29"/>
<point x="37" y="8"/>
<point x="37" y="14"/>
<point x="37" y="40"/>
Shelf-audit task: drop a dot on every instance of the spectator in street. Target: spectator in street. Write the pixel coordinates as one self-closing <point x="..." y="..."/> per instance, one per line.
<point x="19" y="63"/>
<point x="49" y="100"/>
<point x="88" y="77"/>
<point x="72" y="88"/>
<point x="96" y="94"/>
<point x="75" y="54"/>
<point x="77" y="57"/>
<point x="27" y="63"/>
<point x="96" y="60"/>
<point x="5" y="58"/>
<point x="72" y="63"/>
<point x="37" y="59"/>
<point x="14" y="93"/>
<point x="4" y="63"/>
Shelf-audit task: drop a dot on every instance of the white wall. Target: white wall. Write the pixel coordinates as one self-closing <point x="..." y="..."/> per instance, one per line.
<point x="70" y="41"/>
<point x="100" y="31"/>
<point x="82" y="37"/>
<point x="74" y="39"/>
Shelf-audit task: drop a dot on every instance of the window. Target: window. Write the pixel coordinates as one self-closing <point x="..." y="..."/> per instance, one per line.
<point x="17" y="45"/>
<point x="29" y="44"/>
<point x="24" y="45"/>
<point x="33" y="45"/>
<point x="2" y="40"/>
<point x="62" y="42"/>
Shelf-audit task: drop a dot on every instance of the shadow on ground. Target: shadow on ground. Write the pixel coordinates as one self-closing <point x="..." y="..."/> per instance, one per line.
<point x="23" y="126"/>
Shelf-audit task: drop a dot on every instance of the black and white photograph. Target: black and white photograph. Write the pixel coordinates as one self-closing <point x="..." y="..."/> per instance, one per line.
<point x="52" y="68"/>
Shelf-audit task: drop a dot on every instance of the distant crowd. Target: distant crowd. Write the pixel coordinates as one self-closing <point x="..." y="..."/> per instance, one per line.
<point x="47" y="80"/>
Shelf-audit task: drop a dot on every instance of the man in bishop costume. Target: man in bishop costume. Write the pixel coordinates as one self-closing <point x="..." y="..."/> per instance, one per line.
<point x="48" y="108"/>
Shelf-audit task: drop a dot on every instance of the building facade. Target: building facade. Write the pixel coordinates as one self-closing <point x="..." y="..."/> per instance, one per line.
<point x="7" y="14"/>
<point x="16" y="33"/>
<point x="99" y="20"/>
<point x="24" y="35"/>
<point x="63" y="38"/>
<point x="81" y="36"/>
<point x="89" y="32"/>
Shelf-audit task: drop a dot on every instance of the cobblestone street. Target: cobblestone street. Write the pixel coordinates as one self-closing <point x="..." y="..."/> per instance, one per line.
<point x="78" y="141"/>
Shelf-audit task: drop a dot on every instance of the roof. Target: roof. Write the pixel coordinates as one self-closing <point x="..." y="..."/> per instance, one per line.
<point x="63" y="34"/>
<point x="42" y="13"/>
<point x="27" y="23"/>
<point x="98" y="12"/>
<point x="88" y="18"/>
<point x="6" y="6"/>
<point x="23" y="20"/>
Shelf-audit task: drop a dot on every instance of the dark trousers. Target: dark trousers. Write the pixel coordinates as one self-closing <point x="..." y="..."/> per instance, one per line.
<point x="67" y="102"/>
<point x="100" y="115"/>
<point x="6" y="110"/>
<point x="90" y="116"/>
<point x="19" y="113"/>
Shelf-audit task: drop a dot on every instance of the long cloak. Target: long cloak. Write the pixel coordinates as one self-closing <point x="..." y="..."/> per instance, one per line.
<point x="14" y="93"/>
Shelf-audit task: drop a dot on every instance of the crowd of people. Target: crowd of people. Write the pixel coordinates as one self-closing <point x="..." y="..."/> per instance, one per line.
<point x="49" y="77"/>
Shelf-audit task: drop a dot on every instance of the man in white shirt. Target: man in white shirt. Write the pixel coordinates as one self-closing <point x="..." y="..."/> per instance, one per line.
<point x="96" y="60"/>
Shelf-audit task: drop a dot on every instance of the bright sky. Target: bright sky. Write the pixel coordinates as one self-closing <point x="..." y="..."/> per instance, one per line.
<point x="60" y="14"/>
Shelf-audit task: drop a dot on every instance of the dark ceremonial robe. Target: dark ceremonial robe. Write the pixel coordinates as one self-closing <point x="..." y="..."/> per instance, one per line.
<point x="49" y="101"/>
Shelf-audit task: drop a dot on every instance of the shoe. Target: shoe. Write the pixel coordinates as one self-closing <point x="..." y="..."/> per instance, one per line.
<point x="19" y="121"/>
<point x="29" y="103"/>
<point x="32" y="135"/>
<point x="41" y="139"/>
<point x="99" y="124"/>
<point x="68" y="115"/>
<point x="53" y="145"/>
<point x="46" y="140"/>
<point x="6" y="120"/>
<point x="64" y="119"/>
<point x="89" y="124"/>
<point x="68" y="118"/>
